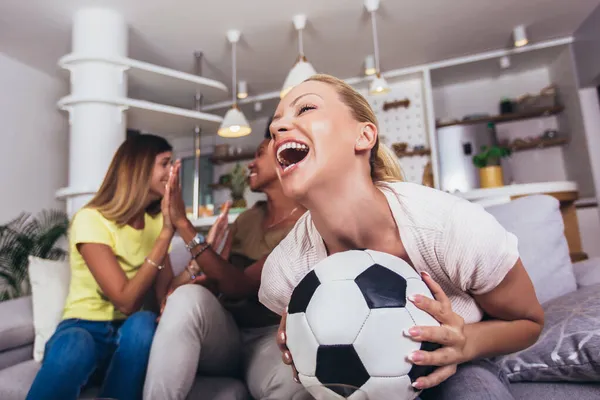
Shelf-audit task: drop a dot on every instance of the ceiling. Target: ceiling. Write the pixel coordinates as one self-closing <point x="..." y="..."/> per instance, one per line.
<point x="337" y="38"/>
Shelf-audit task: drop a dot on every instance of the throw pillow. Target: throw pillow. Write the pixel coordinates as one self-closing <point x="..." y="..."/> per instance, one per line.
<point x="49" y="288"/>
<point x="538" y="225"/>
<point x="569" y="346"/>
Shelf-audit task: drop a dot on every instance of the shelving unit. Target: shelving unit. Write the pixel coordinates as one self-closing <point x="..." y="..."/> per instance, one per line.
<point x="539" y="143"/>
<point x="519" y="116"/>
<point x="245" y="156"/>
<point x="412" y="153"/>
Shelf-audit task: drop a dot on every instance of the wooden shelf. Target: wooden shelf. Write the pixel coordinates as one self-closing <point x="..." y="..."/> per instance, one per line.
<point x="539" y="143"/>
<point x="540" y="112"/>
<point x="218" y="186"/>
<point x="413" y="153"/>
<point x="245" y="156"/>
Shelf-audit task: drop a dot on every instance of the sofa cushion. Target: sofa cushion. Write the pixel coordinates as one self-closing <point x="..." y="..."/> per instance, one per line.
<point x="49" y="289"/>
<point x="15" y="356"/>
<point x="538" y="225"/>
<point x="555" y="391"/>
<point x="16" y="323"/>
<point x="587" y="272"/>
<point x="569" y="346"/>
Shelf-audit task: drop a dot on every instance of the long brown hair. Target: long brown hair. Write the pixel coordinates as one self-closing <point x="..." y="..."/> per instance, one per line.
<point x="126" y="187"/>
<point x="384" y="167"/>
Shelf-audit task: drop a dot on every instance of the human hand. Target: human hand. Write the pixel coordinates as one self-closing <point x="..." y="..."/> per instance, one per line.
<point x="168" y="228"/>
<point x="176" y="204"/>
<point x="450" y="335"/>
<point x="218" y="232"/>
<point x="281" y="342"/>
<point x="208" y="283"/>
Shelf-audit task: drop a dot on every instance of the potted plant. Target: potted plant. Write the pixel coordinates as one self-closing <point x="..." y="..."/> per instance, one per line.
<point x="237" y="184"/>
<point x="489" y="163"/>
<point x="24" y="236"/>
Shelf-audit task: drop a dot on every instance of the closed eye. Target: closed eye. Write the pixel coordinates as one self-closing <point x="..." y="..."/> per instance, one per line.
<point x="305" y="108"/>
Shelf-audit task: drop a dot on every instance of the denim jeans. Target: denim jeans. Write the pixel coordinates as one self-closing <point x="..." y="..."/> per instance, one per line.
<point x="112" y="354"/>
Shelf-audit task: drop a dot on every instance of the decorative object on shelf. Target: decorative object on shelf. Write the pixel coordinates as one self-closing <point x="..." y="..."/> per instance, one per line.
<point x="239" y="181"/>
<point x="547" y="98"/>
<point x="302" y="70"/>
<point x="234" y="123"/>
<point x="388" y="105"/>
<point x="24" y="236"/>
<point x="506" y="106"/>
<point x="517" y="116"/>
<point x="490" y="168"/>
<point x="378" y="85"/>
<point x="536" y="143"/>
<point x="428" y="175"/>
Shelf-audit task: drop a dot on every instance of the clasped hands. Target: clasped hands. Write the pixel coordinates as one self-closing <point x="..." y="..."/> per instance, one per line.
<point x="450" y="335"/>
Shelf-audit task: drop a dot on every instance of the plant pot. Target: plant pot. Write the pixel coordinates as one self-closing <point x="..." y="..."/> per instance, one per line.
<point x="239" y="203"/>
<point x="490" y="177"/>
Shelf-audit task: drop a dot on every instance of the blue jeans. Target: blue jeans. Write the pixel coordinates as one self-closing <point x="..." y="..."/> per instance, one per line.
<point x="113" y="354"/>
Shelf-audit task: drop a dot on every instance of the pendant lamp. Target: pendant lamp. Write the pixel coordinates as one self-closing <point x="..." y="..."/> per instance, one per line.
<point x="378" y="85"/>
<point x="234" y="123"/>
<point x="302" y="70"/>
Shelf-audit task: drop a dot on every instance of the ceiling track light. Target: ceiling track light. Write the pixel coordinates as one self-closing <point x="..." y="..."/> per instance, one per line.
<point x="504" y="62"/>
<point x="302" y="70"/>
<point x="520" y="36"/>
<point x="234" y="123"/>
<point x="379" y="85"/>
<point x="370" y="65"/>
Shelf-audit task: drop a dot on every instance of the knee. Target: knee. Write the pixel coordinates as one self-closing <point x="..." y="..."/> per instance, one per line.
<point x="138" y="330"/>
<point x="279" y="383"/>
<point x="70" y="350"/>
<point x="189" y="303"/>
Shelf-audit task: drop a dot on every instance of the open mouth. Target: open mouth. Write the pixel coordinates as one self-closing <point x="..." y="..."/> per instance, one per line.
<point x="291" y="153"/>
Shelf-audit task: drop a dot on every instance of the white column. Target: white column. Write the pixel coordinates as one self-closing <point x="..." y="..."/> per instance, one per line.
<point x="97" y="124"/>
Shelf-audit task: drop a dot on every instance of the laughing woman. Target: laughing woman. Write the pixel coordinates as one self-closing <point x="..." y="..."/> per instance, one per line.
<point x="325" y="137"/>
<point x="118" y="245"/>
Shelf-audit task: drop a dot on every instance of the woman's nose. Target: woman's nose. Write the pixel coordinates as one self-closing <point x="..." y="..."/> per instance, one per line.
<point x="281" y="126"/>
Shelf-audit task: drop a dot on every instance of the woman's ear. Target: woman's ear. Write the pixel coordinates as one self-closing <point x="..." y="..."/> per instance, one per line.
<point x="367" y="137"/>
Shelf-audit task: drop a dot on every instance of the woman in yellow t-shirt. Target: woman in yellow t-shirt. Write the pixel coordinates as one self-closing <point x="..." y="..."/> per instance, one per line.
<point x="118" y="247"/>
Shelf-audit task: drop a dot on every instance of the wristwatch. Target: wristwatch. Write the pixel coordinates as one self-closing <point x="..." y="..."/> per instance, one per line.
<point x="197" y="240"/>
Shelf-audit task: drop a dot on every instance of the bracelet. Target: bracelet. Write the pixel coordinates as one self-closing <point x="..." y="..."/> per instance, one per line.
<point x="149" y="261"/>
<point x="192" y="274"/>
<point x="202" y="249"/>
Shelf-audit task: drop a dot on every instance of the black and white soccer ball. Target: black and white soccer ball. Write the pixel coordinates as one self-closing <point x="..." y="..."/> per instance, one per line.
<point x="346" y="322"/>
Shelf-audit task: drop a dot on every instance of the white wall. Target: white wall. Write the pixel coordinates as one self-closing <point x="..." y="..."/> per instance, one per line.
<point x="34" y="150"/>
<point x="587" y="50"/>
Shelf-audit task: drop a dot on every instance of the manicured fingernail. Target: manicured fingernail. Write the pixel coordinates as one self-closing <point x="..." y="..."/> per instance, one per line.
<point x="296" y="380"/>
<point x="282" y="336"/>
<point x="417" y="385"/>
<point x="415" y="356"/>
<point x="414" y="331"/>
<point x="425" y="273"/>
<point x="287" y="357"/>
<point x="415" y="298"/>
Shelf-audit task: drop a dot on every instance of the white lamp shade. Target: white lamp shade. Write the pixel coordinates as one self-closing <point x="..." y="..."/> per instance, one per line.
<point x="298" y="74"/>
<point x="234" y="124"/>
<point x="379" y="85"/>
<point x="370" y="66"/>
<point x="520" y="36"/>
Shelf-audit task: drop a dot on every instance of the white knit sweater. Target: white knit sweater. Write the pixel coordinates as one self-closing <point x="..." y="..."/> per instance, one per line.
<point x="458" y="243"/>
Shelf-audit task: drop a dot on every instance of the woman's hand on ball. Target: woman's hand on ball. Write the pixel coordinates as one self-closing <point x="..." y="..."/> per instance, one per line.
<point x="450" y="335"/>
<point x="281" y="342"/>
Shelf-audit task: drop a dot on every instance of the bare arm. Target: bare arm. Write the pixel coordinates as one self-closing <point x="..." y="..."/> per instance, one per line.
<point x="164" y="279"/>
<point x="518" y="317"/>
<point x="126" y="294"/>
<point x="231" y="281"/>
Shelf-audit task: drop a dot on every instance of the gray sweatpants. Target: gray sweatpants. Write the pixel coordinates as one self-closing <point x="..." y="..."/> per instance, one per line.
<point x="196" y="335"/>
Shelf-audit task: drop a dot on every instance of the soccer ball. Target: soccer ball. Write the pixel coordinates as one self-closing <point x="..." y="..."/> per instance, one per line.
<point x="345" y="326"/>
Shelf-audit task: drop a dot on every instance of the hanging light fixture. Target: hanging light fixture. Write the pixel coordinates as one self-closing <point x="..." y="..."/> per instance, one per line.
<point x="520" y="36"/>
<point x="234" y="123"/>
<point x="302" y="70"/>
<point x="379" y="85"/>
<point x="242" y="91"/>
<point x="370" y="65"/>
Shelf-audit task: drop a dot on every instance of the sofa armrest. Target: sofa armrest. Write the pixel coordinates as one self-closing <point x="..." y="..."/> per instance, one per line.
<point x="16" y="323"/>
<point x="587" y="272"/>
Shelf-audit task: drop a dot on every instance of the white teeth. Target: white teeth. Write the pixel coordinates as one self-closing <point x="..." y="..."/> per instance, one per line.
<point x="289" y="145"/>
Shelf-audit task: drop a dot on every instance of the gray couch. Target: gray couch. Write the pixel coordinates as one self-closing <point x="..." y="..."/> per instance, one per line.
<point x="536" y="221"/>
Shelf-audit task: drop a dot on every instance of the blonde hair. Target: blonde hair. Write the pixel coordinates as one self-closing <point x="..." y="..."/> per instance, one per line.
<point x="384" y="166"/>
<point x="125" y="189"/>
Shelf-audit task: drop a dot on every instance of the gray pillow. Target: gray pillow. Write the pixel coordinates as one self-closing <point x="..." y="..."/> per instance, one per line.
<point x="538" y="225"/>
<point x="569" y="346"/>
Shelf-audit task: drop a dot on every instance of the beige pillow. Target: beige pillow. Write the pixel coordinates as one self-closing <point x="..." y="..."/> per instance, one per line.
<point x="49" y="288"/>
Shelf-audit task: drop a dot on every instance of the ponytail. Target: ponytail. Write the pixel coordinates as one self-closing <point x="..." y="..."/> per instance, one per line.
<point x="384" y="166"/>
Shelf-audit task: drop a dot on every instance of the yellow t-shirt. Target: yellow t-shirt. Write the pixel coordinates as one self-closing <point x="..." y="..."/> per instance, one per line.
<point x="130" y="245"/>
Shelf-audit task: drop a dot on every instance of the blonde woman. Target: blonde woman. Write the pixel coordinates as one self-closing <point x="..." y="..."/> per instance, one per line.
<point x="352" y="188"/>
<point x="118" y="254"/>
